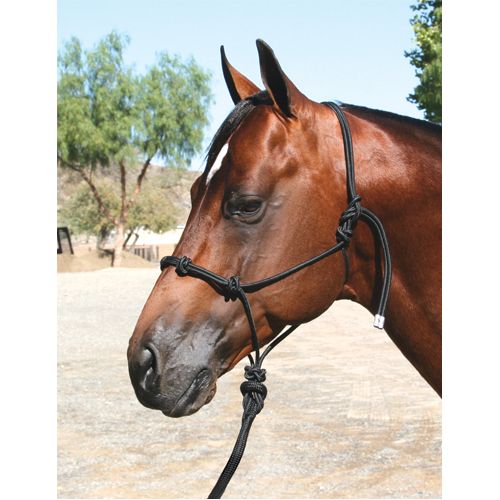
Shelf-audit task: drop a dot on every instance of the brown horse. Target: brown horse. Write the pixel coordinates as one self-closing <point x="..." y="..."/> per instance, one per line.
<point x="270" y="197"/>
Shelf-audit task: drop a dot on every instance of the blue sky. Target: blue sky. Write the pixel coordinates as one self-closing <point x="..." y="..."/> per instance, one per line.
<point x="352" y="51"/>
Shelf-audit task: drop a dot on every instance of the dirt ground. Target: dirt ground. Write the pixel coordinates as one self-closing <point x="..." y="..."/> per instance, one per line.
<point x="346" y="416"/>
<point x="89" y="259"/>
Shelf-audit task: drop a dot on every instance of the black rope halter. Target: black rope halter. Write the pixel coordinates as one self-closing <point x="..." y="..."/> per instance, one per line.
<point x="253" y="389"/>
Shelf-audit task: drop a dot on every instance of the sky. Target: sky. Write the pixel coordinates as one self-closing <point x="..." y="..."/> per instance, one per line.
<point x="352" y="51"/>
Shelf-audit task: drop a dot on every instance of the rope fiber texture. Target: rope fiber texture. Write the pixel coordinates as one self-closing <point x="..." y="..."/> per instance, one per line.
<point x="253" y="389"/>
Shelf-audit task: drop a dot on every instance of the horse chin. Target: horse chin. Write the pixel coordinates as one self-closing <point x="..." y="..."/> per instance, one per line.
<point x="199" y="393"/>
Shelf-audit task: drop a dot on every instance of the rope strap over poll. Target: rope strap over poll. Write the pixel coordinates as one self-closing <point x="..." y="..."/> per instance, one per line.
<point x="253" y="389"/>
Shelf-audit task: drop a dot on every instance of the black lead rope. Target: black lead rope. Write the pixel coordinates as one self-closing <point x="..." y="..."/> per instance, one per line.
<point x="253" y="389"/>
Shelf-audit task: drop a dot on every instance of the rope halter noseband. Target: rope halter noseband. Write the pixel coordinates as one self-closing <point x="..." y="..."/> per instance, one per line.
<point x="253" y="389"/>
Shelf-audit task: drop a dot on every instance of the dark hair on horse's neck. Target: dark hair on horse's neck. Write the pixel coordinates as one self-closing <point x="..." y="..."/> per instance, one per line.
<point x="231" y="123"/>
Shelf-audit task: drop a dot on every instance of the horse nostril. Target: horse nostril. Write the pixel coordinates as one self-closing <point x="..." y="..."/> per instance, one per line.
<point x="147" y="367"/>
<point x="146" y="358"/>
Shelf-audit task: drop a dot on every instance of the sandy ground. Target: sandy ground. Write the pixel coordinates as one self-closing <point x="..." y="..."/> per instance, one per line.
<point x="89" y="259"/>
<point x="346" y="416"/>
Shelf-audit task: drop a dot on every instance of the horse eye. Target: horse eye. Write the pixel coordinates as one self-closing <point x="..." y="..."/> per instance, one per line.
<point x="247" y="208"/>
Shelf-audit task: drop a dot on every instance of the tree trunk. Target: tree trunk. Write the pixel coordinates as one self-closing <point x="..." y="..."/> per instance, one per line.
<point x="119" y="240"/>
<point x="101" y="238"/>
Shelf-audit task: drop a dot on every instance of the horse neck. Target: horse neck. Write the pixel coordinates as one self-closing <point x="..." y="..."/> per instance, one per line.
<point x="398" y="175"/>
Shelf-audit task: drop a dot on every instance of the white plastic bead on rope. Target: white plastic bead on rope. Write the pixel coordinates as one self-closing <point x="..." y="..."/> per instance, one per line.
<point x="378" y="322"/>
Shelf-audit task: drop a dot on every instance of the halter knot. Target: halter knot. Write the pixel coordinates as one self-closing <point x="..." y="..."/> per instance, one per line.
<point x="182" y="266"/>
<point x="255" y="373"/>
<point x="253" y="390"/>
<point x="348" y="221"/>
<point x="232" y="289"/>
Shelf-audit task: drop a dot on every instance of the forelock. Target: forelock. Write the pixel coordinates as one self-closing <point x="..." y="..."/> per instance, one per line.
<point x="233" y="120"/>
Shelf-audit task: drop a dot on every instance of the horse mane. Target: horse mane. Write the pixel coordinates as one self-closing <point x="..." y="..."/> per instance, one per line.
<point x="243" y="108"/>
<point x="232" y="121"/>
<point x="375" y="115"/>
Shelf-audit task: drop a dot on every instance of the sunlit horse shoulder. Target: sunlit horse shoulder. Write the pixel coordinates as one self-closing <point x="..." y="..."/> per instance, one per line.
<point x="275" y="201"/>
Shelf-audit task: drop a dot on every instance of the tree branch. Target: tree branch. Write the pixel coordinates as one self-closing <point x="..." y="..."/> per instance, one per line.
<point x="88" y="179"/>
<point x="138" y="185"/>
<point x="141" y="175"/>
<point x="64" y="163"/>
<point x="123" y="184"/>
<point x="102" y="207"/>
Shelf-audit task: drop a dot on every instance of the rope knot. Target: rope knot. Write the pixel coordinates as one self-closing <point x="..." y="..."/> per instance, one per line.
<point x="182" y="266"/>
<point x="348" y="221"/>
<point x="253" y="390"/>
<point x="232" y="289"/>
<point x="255" y="373"/>
<point x="343" y="234"/>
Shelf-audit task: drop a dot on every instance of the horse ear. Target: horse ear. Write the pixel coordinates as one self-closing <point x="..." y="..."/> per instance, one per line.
<point x="284" y="93"/>
<point x="240" y="87"/>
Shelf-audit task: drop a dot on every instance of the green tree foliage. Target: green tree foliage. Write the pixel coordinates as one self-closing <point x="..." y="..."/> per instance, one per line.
<point x="153" y="210"/>
<point x="112" y="120"/>
<point x="81" y="212"/>
<point x="426" y="58"/>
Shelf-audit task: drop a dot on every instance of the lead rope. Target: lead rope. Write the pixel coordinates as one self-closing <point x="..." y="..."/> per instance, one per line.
<point x="253" y="389"/>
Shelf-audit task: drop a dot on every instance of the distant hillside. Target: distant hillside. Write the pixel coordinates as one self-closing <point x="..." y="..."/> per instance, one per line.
<point x="176" y="182"/>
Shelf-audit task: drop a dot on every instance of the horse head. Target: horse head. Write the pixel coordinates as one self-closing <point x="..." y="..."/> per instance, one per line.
<point x="269" y="198"/>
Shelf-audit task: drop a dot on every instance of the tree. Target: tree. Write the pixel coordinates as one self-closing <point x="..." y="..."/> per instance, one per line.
<point x="114" y="120"/>
<point x="426" y="58"/>
<point x="154" y="209"/>
<point x="82" y="214"/>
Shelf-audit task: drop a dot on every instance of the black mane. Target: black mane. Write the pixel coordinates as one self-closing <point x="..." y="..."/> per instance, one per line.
<point x="234" y="119"/>
<point x="231" y="123"/>
<point x="370" y="112"/>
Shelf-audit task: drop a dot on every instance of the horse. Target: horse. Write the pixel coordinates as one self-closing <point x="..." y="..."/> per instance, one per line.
<point x="270" y="197"/>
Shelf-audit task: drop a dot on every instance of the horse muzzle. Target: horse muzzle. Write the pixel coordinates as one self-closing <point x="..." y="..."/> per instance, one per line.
<point x="177" y="388"/>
